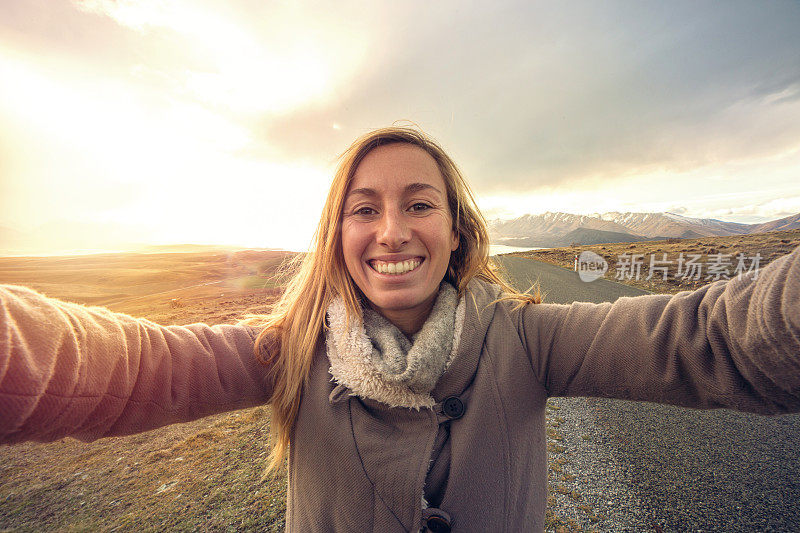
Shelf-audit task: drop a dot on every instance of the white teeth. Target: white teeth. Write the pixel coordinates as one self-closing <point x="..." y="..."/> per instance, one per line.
<point x="401" y="267"/>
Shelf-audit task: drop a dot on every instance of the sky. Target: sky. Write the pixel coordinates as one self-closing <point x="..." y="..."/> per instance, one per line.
<point x="192" y="121"/>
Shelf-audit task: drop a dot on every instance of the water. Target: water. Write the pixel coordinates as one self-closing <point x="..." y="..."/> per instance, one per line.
<point x="495" y="249"/>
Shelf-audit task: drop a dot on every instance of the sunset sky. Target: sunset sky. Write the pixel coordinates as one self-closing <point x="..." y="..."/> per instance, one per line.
<point x="220" y="122"/>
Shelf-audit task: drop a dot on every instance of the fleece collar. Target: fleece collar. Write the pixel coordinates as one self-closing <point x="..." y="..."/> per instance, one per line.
<point x="373" y="359"/>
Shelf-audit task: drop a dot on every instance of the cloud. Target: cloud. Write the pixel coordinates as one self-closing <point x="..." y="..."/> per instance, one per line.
<point x="558" y="96"/>
<point x="59" y="32"/>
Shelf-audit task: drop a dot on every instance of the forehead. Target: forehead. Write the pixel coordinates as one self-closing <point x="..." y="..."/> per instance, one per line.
<point x="394" y="166"/>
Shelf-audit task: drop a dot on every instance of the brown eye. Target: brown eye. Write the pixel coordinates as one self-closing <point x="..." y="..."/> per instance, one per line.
<point x="364" y="211"/>
<point x="420" y="206"/>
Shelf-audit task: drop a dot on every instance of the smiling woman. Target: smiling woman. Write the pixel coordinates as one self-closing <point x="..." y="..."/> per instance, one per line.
<point x="396" y="196"/>
<point x="407" y="380"/>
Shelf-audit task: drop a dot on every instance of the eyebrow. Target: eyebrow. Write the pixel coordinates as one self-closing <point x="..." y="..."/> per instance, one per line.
<point x="410" y="188"/>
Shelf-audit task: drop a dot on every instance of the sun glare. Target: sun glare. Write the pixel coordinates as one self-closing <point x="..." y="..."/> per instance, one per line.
<point x="170" y="146"/>
<point x="170" y="171"/>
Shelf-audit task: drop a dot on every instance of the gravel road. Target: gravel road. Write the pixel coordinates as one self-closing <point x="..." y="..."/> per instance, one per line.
<point x="561" y="285"/>
<point x="626" y="466"/>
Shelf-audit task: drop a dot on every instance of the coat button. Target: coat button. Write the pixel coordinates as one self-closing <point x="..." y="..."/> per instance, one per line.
<point x="437" y="524"/>
<point x="453" y="407"/>
<point x="436" y="520"/>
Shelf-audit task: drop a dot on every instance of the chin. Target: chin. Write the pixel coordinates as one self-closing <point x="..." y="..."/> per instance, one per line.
<point x="399" y="301"/>
<point x="396" y="303"/>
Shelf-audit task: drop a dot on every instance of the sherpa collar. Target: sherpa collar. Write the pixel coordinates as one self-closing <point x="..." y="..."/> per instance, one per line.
<point x="375" y="360"/>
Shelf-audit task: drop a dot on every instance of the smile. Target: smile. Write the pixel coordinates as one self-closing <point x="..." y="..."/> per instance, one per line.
<point x="397" y="267"/>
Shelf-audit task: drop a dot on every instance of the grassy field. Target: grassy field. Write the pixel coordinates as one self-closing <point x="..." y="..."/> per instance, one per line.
<point x="207" y="475"/>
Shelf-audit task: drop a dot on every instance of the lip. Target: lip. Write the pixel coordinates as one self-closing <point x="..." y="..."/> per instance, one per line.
<point x="394" y="259"/>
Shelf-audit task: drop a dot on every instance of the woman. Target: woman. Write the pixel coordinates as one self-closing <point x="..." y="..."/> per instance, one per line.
<point x="408" y="377"/>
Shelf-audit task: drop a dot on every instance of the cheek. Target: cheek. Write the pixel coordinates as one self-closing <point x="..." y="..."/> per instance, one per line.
<point x="352" y="248"/>
<point x="441" y="235"/>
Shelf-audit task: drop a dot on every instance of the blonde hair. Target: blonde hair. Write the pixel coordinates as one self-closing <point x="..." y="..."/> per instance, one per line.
<point x="294" y="328"/>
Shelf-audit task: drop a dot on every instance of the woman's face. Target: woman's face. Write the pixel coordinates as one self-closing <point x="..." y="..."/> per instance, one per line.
<point x="397" y="232"/>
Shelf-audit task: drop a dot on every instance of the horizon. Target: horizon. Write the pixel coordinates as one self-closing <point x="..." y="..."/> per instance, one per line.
<point x="499" y="246"/>
<point x="205" y="122"/>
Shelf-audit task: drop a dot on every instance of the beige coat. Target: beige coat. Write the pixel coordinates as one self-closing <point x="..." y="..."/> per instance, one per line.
<point x="356" y="465"/>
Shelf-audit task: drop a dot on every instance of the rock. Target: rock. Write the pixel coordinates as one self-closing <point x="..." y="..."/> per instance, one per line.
<point x="166" y="486"/>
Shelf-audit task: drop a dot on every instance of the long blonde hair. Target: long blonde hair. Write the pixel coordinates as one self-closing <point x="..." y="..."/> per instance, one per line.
<point x="294" y="328"/>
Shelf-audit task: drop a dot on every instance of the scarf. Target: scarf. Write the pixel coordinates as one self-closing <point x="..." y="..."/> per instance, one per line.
<point x="373" y="359"/>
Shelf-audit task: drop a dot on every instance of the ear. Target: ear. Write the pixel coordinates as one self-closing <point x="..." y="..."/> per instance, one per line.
<point x="454" y="242"/>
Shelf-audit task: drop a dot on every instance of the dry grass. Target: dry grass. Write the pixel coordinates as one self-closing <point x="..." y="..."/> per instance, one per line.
<point x="770" y="246"/>
<point x="169" y="288"/>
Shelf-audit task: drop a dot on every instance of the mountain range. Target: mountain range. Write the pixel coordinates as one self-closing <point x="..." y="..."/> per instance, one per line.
<point x="562" y="229"/>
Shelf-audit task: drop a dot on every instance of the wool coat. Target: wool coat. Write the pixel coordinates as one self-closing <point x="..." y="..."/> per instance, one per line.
<point x="478" y="456"/>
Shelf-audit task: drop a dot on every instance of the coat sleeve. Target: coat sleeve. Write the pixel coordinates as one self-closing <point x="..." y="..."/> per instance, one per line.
<point x="733" y="344"/>
<point x="86" y="372"/>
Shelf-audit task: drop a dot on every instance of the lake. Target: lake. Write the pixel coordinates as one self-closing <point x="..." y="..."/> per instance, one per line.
<point x="495" y="249"/>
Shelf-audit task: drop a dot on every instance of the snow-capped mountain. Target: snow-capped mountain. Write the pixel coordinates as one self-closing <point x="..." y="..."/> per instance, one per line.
<point x="555" y="229"/>
<point x="673" y="225"/>
<point x="552" y="224"/>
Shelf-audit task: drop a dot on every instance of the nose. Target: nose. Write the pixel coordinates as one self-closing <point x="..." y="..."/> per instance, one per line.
<point x="393" y="231"/>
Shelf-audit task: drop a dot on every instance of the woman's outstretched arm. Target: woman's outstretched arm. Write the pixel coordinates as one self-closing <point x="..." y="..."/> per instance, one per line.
<point x="66" y="369"/>
<point x="732" y="344"/>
